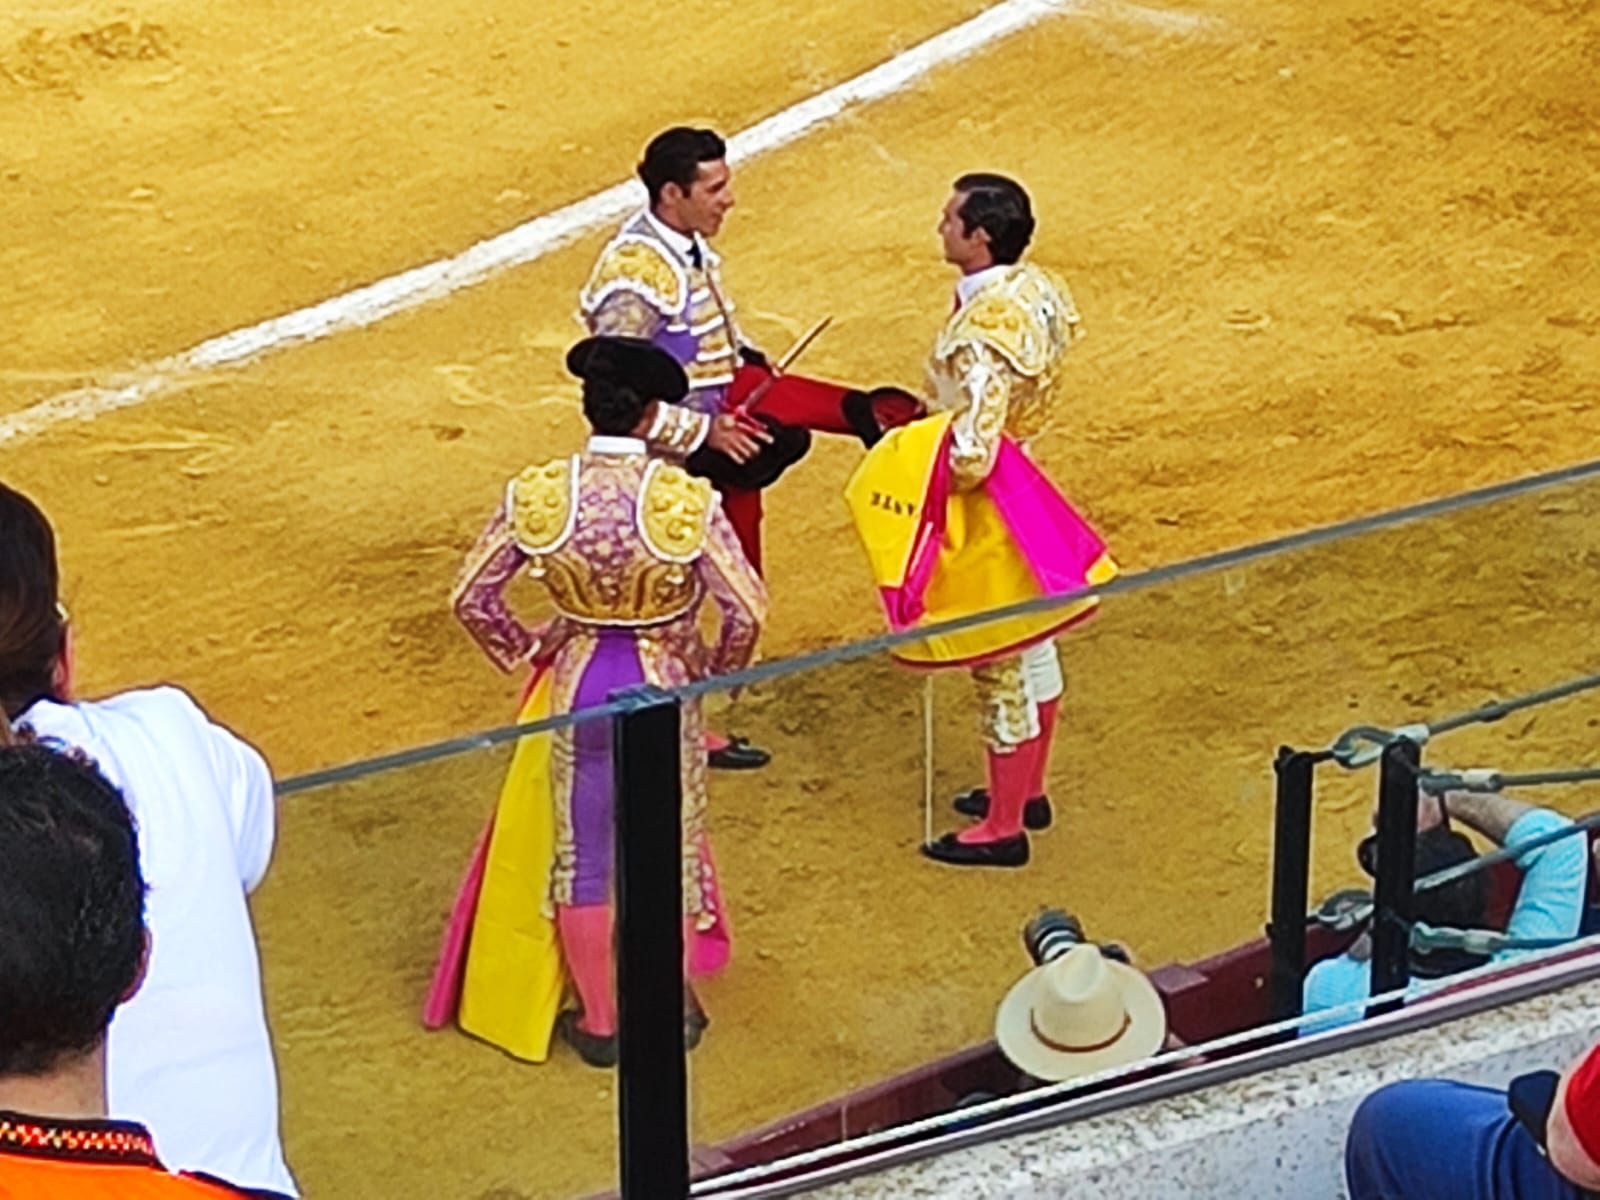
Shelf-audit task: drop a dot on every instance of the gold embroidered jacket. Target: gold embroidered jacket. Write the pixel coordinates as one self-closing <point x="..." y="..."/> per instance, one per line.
<point x="644" y="286"/>
<point x="997" y="365"/>
<point x="619" y="540"/>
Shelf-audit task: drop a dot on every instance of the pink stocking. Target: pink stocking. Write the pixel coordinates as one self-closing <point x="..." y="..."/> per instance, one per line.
<point x="1008" y="791"/>
<point x="1039" y="749"/>
<point x="586" y="945"/>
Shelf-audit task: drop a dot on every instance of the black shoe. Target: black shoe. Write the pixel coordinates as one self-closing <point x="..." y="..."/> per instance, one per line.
<point x="1036" y="814"/>
<point x="1007" y="852"/>
<point x="594" y="1049"/>
<point x="738" y="755"/>
<point x="695" y="1021"/>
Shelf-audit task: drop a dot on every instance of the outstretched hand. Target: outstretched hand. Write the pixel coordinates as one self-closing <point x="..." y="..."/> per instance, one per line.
<point x="738" y="435"/>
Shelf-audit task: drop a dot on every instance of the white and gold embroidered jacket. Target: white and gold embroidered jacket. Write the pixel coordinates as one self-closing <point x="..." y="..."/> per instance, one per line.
<point x="997" y="365"/>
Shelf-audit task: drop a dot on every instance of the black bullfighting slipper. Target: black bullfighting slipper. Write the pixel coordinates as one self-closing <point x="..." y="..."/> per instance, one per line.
<point x="1007" y="852"/>
<point x="738" y="755"/>
<point x="1036" y="813"/>
<point x="695" y="1021"/>
<point x="594" y="1049"/>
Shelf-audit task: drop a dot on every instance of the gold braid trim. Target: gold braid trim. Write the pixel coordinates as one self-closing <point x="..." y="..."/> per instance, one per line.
<point x="679" y="430"/>
<point x="638" y="265"/>
<point x="1027" y="316"/>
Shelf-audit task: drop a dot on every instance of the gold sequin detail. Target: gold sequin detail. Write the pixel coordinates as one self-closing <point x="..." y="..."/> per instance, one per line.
<point x="1007" y="716"/>
<point x="1027" y="315"/>
<point x="539" y="502"/>
<point x="674" y="510"/>
<point x="107" y="1144"/>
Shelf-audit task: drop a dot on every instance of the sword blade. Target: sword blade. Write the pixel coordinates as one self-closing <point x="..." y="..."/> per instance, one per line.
<point x="799" y="347"/>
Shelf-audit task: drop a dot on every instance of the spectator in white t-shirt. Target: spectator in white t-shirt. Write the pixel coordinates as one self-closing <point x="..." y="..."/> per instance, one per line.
<point x="190" y="1056"/>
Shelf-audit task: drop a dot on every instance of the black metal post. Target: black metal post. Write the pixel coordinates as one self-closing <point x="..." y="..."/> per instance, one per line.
<point x="652" y="1089"/>
<point x="1392" y="899"/>
<point x="1291" y="880"/>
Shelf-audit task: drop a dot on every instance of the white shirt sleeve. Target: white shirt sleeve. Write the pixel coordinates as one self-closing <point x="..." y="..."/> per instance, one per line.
<point x="244" y="784"/>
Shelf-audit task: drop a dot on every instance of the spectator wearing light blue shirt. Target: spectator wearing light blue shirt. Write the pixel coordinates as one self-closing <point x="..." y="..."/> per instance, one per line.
<point x="1549" y="905"/>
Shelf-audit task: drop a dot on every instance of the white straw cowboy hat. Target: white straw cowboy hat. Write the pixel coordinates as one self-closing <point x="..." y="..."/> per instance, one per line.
<point x="1079" y="1014"/>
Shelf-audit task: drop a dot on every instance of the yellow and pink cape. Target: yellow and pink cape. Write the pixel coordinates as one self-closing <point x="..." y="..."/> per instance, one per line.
<point x="939" y="555"/>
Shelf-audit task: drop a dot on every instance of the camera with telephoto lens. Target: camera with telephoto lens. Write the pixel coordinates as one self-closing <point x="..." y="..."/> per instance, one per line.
<point x="1054" y="931"/>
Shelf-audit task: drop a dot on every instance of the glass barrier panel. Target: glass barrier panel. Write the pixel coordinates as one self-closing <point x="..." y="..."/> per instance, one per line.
<point x="370" y="875"/>
<point x="866" y="979"/>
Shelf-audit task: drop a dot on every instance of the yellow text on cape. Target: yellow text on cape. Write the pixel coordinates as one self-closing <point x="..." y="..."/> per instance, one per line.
<point x="979" y="566"/>
<point x="886" y="493"/>
<point x="512" y="990"/>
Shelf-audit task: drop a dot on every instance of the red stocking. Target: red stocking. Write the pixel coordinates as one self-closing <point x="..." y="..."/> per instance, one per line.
<point x="1039" y="748"/>
<point x="744" y="513"/>
<point x="586" y="946"/>
<point x="1008" y="791"/>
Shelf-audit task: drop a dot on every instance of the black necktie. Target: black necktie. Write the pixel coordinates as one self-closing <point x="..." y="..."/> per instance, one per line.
<point x="696" y="257"/>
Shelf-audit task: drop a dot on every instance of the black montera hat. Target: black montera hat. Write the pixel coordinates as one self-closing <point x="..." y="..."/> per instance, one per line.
<point x="630" y="362"/>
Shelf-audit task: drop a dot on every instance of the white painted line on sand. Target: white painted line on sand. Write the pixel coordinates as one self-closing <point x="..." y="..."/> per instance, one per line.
<point x="534" y="239"/>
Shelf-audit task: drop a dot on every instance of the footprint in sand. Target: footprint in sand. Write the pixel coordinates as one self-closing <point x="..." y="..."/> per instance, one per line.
<point x="460" y="379"/>
<point x="204" y="453"/>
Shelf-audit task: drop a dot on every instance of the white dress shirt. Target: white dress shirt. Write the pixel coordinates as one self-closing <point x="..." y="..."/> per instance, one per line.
<point x="601" y="443"/>
<point x="969" y="286"/>
<point x="189" y="1056"/>
<point x="687" y="246"/>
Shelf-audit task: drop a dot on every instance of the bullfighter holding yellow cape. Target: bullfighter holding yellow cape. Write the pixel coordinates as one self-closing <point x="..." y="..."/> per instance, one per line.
<point x="956" y="519"/>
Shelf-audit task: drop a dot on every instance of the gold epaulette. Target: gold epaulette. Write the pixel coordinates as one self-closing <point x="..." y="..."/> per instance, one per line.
<point x="1027" y="316"/>
<point x="674" y="512"/>
<point x="636" y="264"/>
<point x="541" y="506"/>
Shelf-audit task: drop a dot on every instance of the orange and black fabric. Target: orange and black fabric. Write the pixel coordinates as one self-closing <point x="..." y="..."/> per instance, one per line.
<point x="58" y="1159"/>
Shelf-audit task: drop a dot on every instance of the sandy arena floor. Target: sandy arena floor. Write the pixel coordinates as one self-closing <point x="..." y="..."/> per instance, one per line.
<point x="1331" y="259"/>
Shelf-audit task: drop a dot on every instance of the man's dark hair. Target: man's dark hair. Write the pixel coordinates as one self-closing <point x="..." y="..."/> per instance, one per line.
<point x="1000" y="208"/>
<point x="675" y="157"/>
<point x="71" y="908"/>
<point x="1460" y="904"/>
<point x="32" y="634"/>
<point x="612" y="409"/>
<point x="1463" y="903"/>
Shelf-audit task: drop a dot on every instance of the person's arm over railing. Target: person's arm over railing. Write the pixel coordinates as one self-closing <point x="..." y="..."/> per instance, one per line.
<point x="1555" y="877"/>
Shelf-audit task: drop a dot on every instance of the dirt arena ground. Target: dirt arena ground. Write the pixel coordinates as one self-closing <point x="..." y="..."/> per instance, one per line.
<point x="1332" y="259"/>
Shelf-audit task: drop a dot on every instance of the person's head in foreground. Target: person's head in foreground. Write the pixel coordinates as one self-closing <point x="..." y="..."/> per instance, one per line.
<point x="72" y="933"/>
<point x="1460" y="904"/>
<point x="35" y="649"/>
<point x="625" y="379"/>
<point x="1079" y="1013"/>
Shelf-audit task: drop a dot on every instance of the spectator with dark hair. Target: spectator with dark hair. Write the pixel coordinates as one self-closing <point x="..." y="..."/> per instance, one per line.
<point x="190" y="1055"/>
<point x="1436" y="1140"/>
<point x="73" y="947"/>
<point x="1549" y="904"/>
